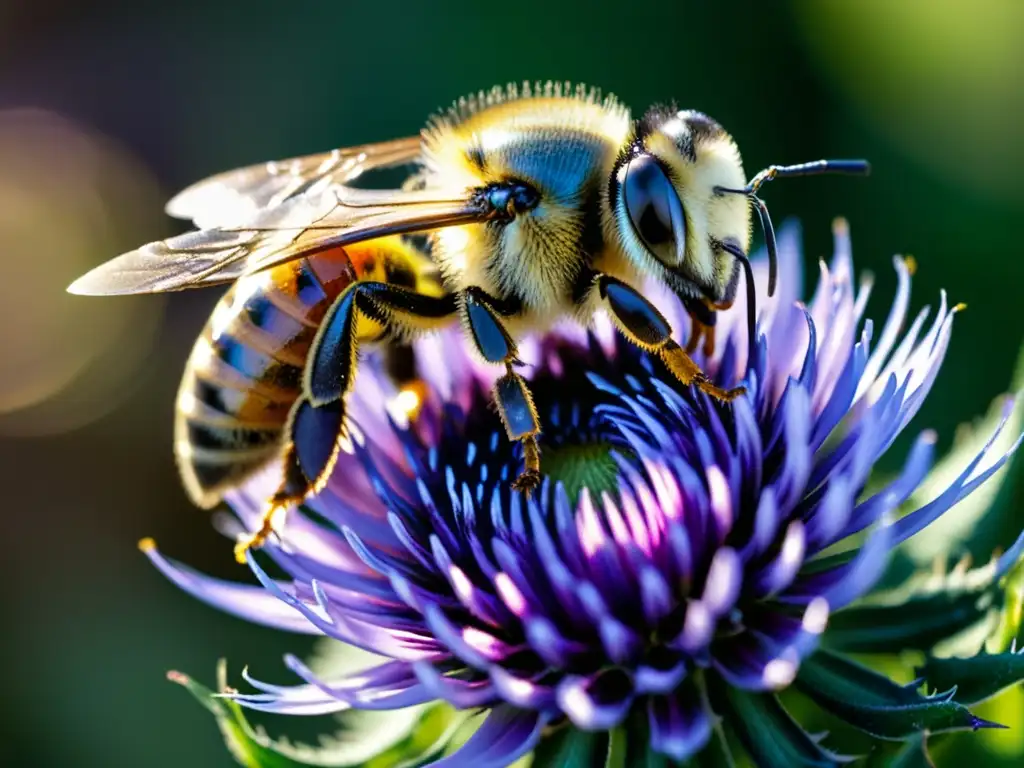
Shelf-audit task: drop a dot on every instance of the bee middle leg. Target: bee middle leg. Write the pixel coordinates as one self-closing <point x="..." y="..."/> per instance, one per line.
<point x="482" y="315"/>
<point x="643" y="325"/>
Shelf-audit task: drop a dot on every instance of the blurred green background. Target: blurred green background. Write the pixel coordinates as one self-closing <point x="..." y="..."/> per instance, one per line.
<point x="107" y="107"/>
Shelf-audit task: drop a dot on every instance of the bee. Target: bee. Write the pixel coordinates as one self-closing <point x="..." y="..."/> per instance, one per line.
<point x="538" y="202"/>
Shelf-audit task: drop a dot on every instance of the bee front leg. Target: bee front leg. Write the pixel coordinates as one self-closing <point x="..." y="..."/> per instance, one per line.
<point x="703" y="318"/>
<point x="316" y="426"/>
<point x="643" y="325"/>
<point x="511" y="392"/>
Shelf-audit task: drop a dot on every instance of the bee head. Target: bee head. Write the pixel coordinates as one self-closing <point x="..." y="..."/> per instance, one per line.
<point x="672" y="219"/>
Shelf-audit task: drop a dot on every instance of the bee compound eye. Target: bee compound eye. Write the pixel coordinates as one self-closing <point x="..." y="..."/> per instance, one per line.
<point x="654" y="209"/>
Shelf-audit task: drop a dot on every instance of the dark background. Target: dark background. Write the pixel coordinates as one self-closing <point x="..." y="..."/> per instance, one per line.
<point x="108" y="107"/>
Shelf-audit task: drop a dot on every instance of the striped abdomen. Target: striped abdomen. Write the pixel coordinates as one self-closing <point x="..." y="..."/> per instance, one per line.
<point x="245" y="371"/>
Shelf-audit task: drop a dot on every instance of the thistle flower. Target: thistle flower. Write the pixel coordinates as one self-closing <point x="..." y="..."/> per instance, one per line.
<point x="679" y="565"/>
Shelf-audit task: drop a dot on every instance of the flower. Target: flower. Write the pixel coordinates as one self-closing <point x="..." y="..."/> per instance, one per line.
<point x="680" y="563"/>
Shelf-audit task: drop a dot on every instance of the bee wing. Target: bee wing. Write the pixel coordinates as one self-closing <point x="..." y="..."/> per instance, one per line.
<point x="239" y="195"/>
<point x="299" y="226"/>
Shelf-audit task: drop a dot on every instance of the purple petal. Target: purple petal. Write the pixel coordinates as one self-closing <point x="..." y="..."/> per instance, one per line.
<point x="766" y="525"/>
<point x="796" y="463"/>
<point x="698" y="629"/>
<point x="843" y="392"/>
<point x="779" y="572"/>
<point x="830" y="515"/>
<point x="661" y="672"/>
<point x="392" y="685"/>
<point x="680" y="555"/>
<point x="596" y="702"/>
<point x="461" y="694"/>
<point x="621" y="643"/>
<point x="893" y="323"/>
<point x="749" y="449"/>
<point x="375" y="558"/>
<point x="551" y="645"/>
<point x="655" y="596"/>
<point x="411" y="544"/>
<point x="246" y="601"/>
<point x="721" y="502"/>
<point x="398" y="644"/>
<point x="845" y="583"/>
<point x="754" y="664"/>
<point x="512" y="564"/>
<point x="563" y="583"/>
<point x="299" y="533"/>
<point x="808" y="371"/>
<point x="357" y="508"/>
<point x="506" y="735"/>
<point x="780" y="630"/>
<point x="474" y="646"/>
<point x="1009" y="558"/>
<point x="523" y="693"/>
<point x="920" y="519"/>
<point x="301" y="700"/>
<point x="724" y="581"/>
<point x="894" y="494"/>
<point x="382" y="683"/>
<point x="680" y="723"/>
<point x="859" y="442"/>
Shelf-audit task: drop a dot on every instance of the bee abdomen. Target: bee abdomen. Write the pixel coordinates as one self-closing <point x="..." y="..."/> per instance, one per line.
<point x="223" y="434"/>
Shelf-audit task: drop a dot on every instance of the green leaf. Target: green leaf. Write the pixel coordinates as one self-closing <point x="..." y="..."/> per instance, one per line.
<point x="617" y="745"/>
<point x="913" y="753"/>
<point x="717" y="753"/>
<point x="768" y="733"/>
<point x="249" y="747"/>
<point x="570" y="747"/>
<point x="875" y="704"/>
<point x="918" y="623"/>
<point x="253" y="748"/>
<point x="978" y="678"/>
<point x="430" y="735"/>
<point x="1008" y="628"/>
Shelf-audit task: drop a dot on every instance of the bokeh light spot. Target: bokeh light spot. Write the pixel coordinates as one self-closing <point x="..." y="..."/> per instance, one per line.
<point x="69" y="199"/>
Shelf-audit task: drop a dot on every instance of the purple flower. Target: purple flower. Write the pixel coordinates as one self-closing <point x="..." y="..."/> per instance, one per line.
<point x="669" y="572"/>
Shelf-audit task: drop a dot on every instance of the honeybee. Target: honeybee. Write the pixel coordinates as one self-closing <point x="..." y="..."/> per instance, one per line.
<point x="539" y="202"/>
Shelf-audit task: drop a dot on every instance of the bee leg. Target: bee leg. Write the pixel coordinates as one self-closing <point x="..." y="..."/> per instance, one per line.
<point x="519" y="415"/>
<point x="643" y="325"/>
<point x="311" y="450"/>
<point x="511" y="392"/>
<point x="703" y="317"/>
<point x="330" y="371"/>
<point x="271" y="521"/>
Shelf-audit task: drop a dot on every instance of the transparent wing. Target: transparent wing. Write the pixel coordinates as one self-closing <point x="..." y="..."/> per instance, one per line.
<point x="238" y="195"/>
<point x="313" y="221"/>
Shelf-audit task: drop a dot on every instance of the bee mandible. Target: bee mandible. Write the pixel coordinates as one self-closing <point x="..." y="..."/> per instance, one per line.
<point x="539" y="203"/>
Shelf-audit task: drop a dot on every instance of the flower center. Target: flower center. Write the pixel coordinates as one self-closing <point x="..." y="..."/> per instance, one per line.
<point x="582" y="465"/>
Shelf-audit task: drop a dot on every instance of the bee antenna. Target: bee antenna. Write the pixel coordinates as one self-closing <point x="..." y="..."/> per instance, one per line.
<point x="769" y="241"/>
<point x="815" y="168"/>
<point x="736" y="252"/>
